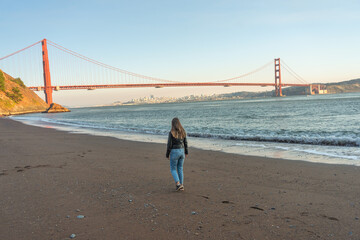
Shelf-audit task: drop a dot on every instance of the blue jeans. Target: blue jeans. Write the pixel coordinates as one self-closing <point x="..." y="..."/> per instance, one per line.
<point x="177" y="157"/>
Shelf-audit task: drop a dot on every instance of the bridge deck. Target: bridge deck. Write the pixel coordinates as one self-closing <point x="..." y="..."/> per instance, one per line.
<point x="161" y="85"/>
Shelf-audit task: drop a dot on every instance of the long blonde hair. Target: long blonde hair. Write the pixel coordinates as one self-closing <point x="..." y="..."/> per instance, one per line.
<point x="177" y="129"/>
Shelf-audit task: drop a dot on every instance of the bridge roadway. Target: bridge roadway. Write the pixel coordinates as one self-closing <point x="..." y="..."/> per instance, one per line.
<point x="161" y="85"/>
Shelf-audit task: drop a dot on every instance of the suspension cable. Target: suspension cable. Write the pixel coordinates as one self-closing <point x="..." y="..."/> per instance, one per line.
<point x="246" y="74"/>
<point x="20" y="50"/>
<point x="105" y="65"/>
<point x="293" y="73"/>
<point x="286" y="67"/>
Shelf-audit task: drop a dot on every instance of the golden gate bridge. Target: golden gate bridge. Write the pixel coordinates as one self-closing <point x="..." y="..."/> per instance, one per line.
<point x="72" y="71"/>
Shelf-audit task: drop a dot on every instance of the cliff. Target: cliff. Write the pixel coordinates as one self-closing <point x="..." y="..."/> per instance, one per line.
<point x="16" y="98"/>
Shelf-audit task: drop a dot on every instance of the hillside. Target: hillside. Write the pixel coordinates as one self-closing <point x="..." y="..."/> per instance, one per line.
<point x="16" y="98"/>
<point x="344" y="87"/>
<point x="332" y="88"/>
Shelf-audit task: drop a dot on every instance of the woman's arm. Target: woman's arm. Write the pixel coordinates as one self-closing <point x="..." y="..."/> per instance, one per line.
<point x="186" y="146"/>
<point x="169" y="145"/>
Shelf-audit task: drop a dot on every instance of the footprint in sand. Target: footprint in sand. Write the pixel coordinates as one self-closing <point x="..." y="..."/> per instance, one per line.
<point x="257" y="208"/>
<point x="330" y="218"/>
<point x="27" y="167"/>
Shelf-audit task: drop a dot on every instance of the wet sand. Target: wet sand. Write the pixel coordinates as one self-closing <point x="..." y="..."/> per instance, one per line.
<point x="124" y="190"/>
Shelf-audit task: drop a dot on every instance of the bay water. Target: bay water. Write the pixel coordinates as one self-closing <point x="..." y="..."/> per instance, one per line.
<point x="317" y="128"/>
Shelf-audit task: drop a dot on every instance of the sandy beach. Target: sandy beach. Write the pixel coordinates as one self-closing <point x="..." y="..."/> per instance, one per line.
<point x="124" y="190"/>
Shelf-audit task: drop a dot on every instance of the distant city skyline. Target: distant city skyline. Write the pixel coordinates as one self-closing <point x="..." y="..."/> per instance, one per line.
<point x="191" y="40"/>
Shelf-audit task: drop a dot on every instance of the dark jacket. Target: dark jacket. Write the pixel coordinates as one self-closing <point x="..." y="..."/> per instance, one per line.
<point x="176" y="143"/>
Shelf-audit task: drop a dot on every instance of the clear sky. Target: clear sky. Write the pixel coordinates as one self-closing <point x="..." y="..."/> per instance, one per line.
<point x="191" y="40"/>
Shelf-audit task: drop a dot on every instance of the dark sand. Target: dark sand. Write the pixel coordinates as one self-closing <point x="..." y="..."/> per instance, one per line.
<point x="125" y="191"/>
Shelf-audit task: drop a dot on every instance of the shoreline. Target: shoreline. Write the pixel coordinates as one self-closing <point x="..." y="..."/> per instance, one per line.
<point x="61" y="128"/>
<point x="20" y="113"/>
<point x="267" y="149"/>
<point x="125" y="190"/>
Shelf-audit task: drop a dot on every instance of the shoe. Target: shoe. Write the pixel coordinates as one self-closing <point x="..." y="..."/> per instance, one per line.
<point x="178" y="187"/>
<point x="181" y="188"/>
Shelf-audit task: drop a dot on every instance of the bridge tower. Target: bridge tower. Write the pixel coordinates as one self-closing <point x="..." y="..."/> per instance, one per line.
<point x="278" y="90"/>
<point x="47" y="80"/>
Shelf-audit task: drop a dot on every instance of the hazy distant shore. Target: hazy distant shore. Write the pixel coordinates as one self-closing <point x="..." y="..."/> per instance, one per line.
<point x="350" y="86"/>
<point x="124" y="190"/>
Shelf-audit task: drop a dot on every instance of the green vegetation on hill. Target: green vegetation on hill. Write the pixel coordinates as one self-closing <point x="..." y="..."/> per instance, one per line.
<point x="18" y="81"/>
<point x="2" y="81"/>
<point x="15" y="94"/>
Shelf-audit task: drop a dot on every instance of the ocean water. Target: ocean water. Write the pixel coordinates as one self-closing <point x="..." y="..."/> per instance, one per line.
<point x="321" y="128"/>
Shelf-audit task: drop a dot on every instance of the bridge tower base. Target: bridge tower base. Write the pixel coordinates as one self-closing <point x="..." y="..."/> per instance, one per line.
<point x="47" y="80"/>
<point x="278" y="90"/>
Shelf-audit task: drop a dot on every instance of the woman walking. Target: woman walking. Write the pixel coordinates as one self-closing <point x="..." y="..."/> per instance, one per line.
<point x="177" y="149"/>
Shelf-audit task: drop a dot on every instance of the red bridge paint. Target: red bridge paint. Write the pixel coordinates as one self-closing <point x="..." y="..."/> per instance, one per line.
<point x="47" y="80"/>
<point x="278" y="91"/>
